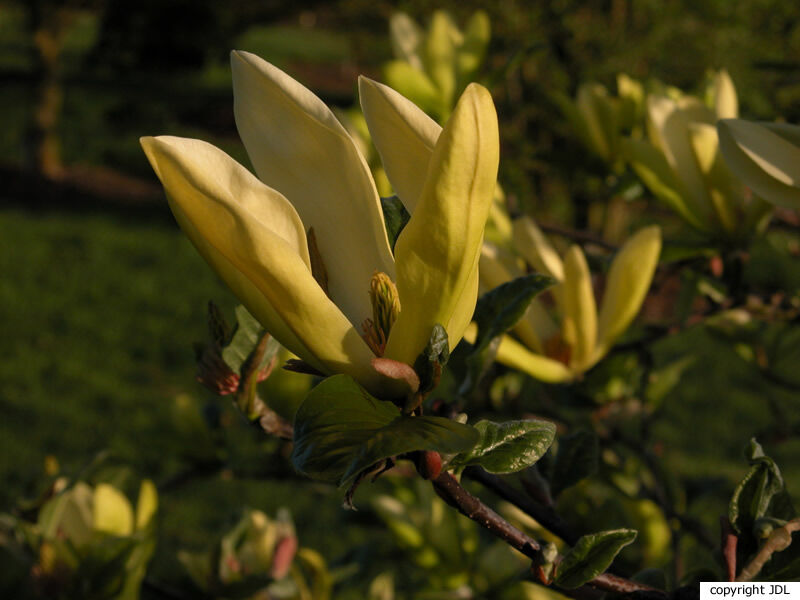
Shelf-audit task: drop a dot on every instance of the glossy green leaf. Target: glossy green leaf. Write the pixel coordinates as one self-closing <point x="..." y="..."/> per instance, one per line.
<point x="340" y="430"/>
<point x="407" y="434"/>
<point x="591" y="555"/>
<point x="432" y="358"/>
<point x="577" y="458"/>
<point x="508" y="447"/>
<point x="496" y="312"/>
<point x="395" y="216"/>
<point x="499" y="310"/>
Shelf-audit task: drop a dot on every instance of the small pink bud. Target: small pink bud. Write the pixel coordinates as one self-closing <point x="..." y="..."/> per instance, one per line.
<point x="282" y="559"/>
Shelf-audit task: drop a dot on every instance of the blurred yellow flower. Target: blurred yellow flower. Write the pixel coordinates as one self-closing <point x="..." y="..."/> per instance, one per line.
<point x="433" y="67"/>
<point x="559" y="350"/>
<point x="600" y="119"/>
<point x="766" y="156"/>
<point x="682" y="166"/>
<point x="300" y="252"/>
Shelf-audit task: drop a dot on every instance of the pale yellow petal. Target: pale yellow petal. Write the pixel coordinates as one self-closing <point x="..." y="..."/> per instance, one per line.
<point x="413" y="84"/>
<point x="112" y="511"/>
<point x="251" y="236"/>
<point x="590" y="102"/>
<point x="472" y="51"/>
<point x="535" y="248"/>
<point x="406" y="37"/>
<point x="655" y="172"/>
<point x="726" y="104"/>
<point x="147" y="504"/>
<point x="765" y="160"/>
<point x="669" y="128"/>
<point x="440" y="56"/>
<point x="404" y="136"/>
<point x="580" y="310"/>
<point x="496" y="267"/>
<point x="437" y="252"/>
<point x="298" y="147"/>
<point x="513" y="354"/>
<point x="272" y="209"/>
<point x="631" y="93"/>
<point x="535" y="325"/>
<point x="726" y="196"/>
<point x="627" y="283"/>
<point x="703" y="138"/>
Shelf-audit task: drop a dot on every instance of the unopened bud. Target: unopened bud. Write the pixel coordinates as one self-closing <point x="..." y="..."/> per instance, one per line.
<point x="385" y="308"/>
<point x="429" y="464"/>
<point x="214" y="373"/>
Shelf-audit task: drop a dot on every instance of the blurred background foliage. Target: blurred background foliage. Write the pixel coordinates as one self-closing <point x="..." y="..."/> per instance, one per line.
<point x="101" y="297"/>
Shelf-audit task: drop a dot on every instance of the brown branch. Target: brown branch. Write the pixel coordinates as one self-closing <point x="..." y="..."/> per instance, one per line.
<point x="620" y="585"/>
<point x="455" y="495"/>
<point x="544" y="515"/>
<point x="778" y="541"/>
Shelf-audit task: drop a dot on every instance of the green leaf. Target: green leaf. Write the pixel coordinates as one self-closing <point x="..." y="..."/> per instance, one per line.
<point x="577" y="458"/>
<point x="496" y="312"/>
<point x="499" y="310"/>
<point x="245" y="337"/>
<point x="508" y="447"/>
<point x="395" y="216"/>
<point x="751" y="498"/>
<point x="407" y="434"/>
<point x="430" y="361"/>
<point x="591" y="555"/>
<point x="340" y="430"/>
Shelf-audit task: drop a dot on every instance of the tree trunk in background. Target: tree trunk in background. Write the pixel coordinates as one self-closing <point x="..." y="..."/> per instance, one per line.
<point x="47" y="25"/>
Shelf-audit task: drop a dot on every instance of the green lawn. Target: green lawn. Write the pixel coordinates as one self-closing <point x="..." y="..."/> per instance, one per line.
<point x="99" y="315"/>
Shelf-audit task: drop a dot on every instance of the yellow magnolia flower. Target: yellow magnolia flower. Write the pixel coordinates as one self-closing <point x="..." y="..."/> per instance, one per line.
<point x="600" y="119"/>
<point x="300" y="244"/>
<point x="766" y="156"/>
<point x="556" y="351"/>
<point x="682" y="165"/>
<point x="431" y="68"/>
<point x="81" y="510"/>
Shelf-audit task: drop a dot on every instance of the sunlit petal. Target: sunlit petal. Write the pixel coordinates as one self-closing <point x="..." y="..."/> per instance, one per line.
<point x="406" y="37"/>
<point x="656" y="173"/>
<point x="437" y="252"/>
<point x="513" y="354"/>
<point x="726" y="104"/>
<point x="404" y="136"/>
<point x="764" y="159"/>
<point x="298" y="147"/>
<point x="253" y="238"/>
<point x="627" y="283"/>
<point x="580" y="310"/>
<point x="668" y="122"/>
<point x="535" y="248"/>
